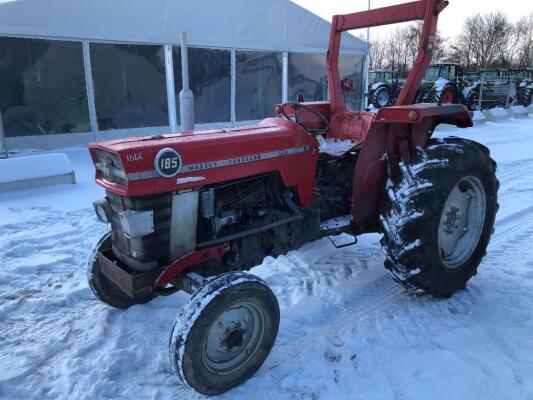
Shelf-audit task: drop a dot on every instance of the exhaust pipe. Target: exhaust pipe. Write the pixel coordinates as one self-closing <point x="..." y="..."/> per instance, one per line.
<point x="186" y="96"/>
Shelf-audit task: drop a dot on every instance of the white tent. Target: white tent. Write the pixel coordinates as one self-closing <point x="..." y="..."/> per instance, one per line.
<point x="45" y="103"/>
<point x="247" y="24"/>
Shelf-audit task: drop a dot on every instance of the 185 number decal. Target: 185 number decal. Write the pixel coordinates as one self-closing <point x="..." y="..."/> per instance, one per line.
<point x="167" y="162"/>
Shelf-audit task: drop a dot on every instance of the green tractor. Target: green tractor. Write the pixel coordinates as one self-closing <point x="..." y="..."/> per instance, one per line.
<point x="523" y="80"/>
<point x="494" y="88"/>
<point x="383" y="88"/>
<point x="442" y="84"/>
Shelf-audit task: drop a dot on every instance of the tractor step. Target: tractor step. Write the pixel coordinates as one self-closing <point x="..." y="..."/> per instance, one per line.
<point x="336" y="225"/>
<point x="342" y="240"/>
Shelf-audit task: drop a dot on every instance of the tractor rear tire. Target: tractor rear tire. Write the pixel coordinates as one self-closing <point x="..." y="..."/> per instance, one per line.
<point x="440" y="216"/>
<point x="528" y="97"/>
<point x="102" y="287"/>
<point x="224" y="333"/>
<point x="472" y="100"/>
<point x="381" y="97"/>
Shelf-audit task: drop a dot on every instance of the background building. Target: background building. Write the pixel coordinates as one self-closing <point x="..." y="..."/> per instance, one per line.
<point x="75" y="71"/>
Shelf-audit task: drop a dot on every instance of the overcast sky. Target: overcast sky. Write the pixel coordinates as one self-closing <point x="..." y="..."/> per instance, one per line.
<point x="450" y="21"/>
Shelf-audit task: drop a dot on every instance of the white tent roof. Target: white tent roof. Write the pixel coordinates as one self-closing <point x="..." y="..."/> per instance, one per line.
<point x="246" y="24"/>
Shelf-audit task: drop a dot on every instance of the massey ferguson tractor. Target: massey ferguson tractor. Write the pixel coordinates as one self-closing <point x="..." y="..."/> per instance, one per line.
<point x="524" y="86"/>
<point x="194" y="210"/>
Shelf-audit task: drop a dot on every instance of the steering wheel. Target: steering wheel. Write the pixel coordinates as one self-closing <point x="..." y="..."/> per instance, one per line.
<point x="297" y="107"/>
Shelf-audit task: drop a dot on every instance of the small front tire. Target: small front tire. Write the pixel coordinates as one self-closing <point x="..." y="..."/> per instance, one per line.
<point x="224" y="333"/>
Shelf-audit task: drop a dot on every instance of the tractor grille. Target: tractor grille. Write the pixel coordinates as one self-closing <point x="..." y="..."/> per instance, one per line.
<point x="142" y="254"/>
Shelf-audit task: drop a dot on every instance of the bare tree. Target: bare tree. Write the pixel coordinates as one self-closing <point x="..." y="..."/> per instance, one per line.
<point x="484" y="41"/>
<point x="377" y="54"/>
<point x="523" y="51"/>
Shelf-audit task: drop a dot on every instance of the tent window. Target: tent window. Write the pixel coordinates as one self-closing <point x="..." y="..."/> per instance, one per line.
<point x="129" y="85"/>
<point x="307" y="76"/>
<point x="258" y="84"/>
<point x="42" y="87"/>
<point x="210" y="82"/>
<point x="351" y="67"/>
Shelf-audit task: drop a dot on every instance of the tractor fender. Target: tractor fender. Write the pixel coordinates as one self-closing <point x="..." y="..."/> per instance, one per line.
<point x="441" y="83"/>
<point x="467" y="90"/>
<point x="377" y="85"/>
<point x="393" y="136"/>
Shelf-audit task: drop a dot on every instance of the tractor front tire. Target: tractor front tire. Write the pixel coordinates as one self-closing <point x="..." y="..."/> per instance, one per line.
<point x="102" y="287"/>
<point x="440" y="216"/>
<point x="224" y="333"/>
<point x="448" y="95"/>
<point x="381" y="97"/>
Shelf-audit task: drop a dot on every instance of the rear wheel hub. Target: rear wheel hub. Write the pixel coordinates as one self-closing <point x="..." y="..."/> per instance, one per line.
<point x="461" y="222"/>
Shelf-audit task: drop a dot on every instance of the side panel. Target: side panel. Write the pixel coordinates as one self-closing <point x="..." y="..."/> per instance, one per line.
<point x="183" y="224"/>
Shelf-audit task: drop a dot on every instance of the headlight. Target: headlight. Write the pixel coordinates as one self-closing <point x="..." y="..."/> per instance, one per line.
<point x="137" y="223"/>
<point x="110" y="167"/>
<point x="103" y="210"/>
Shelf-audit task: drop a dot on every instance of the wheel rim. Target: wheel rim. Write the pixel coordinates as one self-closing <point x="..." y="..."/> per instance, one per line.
<point x="461" y="222"/>
<point x="383" y="98"/>
<point x="233" y="338"/>
<point x="447" y="97"/>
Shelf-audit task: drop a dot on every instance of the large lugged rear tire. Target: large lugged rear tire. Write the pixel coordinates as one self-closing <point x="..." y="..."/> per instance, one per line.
<point x="441" y="216"/>
<point x="103" y="288"/>
<point x="224" y="333"/>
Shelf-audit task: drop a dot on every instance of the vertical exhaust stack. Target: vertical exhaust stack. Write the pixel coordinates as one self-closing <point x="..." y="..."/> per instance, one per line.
<point x="186" y="96"/>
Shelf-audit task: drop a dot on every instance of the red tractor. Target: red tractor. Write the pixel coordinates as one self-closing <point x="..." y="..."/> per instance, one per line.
<point x="192" y="210"/>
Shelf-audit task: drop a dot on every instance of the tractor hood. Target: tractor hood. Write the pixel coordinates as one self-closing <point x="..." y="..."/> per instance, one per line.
<point x="139" y="166"/>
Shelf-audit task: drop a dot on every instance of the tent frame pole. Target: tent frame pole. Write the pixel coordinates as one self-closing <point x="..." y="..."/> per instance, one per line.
<point x="285" y="78"/>
<point x="89" y="84"/>
<point x="171" y="90"/>
<point x="233" y="96"/>
<point x="3" y="145"/>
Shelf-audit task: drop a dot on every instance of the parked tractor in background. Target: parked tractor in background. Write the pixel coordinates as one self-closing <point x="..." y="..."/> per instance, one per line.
<point x="493" y="89"/>
<point x="193" y="210"/>
<point x="442" y="84"/>
<point x="523" y="80"/>
<point x="383" y="88"/>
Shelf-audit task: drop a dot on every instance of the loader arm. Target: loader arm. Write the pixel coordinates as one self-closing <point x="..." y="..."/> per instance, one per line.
<point x="426" y="10"/>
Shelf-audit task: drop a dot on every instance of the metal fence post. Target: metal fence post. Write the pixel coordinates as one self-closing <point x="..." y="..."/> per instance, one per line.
<point x="508" y="91"/>
<point x="481" y="93"/>
<point x="3" y="146"/>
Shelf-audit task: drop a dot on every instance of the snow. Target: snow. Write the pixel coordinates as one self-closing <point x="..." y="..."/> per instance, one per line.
<point x="348" y="331"/>
<point x="334" y="147"/>
<point x="34" y="166"/>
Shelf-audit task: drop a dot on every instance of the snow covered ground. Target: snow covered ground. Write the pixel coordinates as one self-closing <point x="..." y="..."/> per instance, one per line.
<point x="347" y="330"/>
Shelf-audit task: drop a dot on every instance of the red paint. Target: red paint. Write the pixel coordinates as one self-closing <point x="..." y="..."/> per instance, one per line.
<point x="272" y="134"/>
<point x="187" y="261"/>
